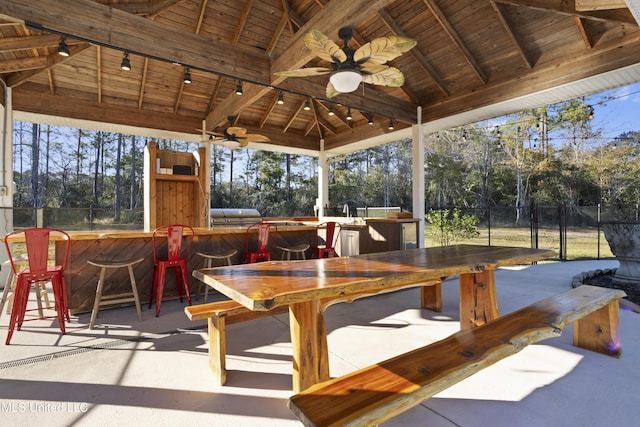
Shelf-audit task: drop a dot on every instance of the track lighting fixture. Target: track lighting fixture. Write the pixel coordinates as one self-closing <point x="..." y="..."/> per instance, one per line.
<point x="331" y="113"/>
<point x="239" y="88"/>
<point x="391" y="127"/>
<point x="187" y="76"/>
<point x="63" y="49"/>
<point x="125" y="64"/>
<point x="349" y="114"/>
<point x="370" y="119"/>
<point x="307" y="107"/>
<point x="280" y="98"/>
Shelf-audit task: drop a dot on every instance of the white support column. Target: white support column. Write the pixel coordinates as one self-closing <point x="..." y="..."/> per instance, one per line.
<point x="323" y="182"/>
<point x="6" y="174"/>
<point x="418" y="176"/>
<point x="205" y="170"/>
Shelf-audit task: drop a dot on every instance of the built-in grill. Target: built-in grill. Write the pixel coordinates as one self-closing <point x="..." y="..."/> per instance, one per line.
<point x="230" y="216"/>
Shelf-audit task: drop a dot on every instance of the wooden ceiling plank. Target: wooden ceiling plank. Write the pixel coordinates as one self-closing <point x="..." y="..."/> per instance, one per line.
<point x="85" y="19"/>
<point x="568" y="8"/>
<point x="456" y="39"/>
<point x="499" y="8"/>
<point x="243" y="21"/>
<point x="584" y="32"/>
<point x="422" y="61"/>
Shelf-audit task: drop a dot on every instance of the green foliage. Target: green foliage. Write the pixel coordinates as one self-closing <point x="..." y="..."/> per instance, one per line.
<point x="450" y="226"/>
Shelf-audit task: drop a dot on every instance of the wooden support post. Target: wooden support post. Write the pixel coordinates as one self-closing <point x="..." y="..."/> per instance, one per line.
<point x="598" y="331"/>
<point x="310" y="350"/>
<point x="217" y="348"/>
<point x="431" y="297"/>
<point x="478" y="300"/>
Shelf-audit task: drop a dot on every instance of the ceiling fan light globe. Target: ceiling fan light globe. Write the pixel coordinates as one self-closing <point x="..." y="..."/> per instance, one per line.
<point x="346" y="81"/>
<point x="232" y="145"/>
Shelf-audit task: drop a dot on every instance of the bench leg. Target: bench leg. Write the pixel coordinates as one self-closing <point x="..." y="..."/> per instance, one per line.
<point x="217" y="349"/>
<point x="309" y="343"/>
<point x="431" y="297"/>
<point x="478" y="300"/>
<point x="598" y="331"/>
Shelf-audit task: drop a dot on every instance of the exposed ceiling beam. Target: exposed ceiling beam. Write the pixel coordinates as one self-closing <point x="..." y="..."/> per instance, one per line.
<point x="568" y="7"/>
<point x="422" y="61"/>
<point x="570" y="69"/>
<point x="455" y="38"/>
<point x="24" y="74"/>
<point x="90" y="21"/>
<point x="499" y="8"/>
<point x="296" y="54"/>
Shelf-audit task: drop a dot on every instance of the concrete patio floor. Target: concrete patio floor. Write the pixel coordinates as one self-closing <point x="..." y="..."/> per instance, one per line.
<point x="155" y="372"/>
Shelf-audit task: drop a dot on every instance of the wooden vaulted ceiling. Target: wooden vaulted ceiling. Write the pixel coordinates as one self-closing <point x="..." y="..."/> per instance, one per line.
<point x="469" y="54"/>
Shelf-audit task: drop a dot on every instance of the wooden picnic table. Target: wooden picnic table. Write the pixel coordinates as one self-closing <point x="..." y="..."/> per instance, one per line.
<point x="306" y="287"/>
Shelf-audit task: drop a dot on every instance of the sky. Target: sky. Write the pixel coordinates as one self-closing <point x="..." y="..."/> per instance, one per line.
<point x="621" y="114"/>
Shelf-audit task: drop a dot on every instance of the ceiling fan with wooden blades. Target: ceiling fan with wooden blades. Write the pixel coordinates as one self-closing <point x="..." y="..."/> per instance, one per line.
<point x="234" y="136"/>
<point x="349" y="67"/>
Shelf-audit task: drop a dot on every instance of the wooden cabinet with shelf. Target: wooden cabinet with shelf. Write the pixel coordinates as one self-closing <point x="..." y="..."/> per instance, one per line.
<point x="171" y="198"/>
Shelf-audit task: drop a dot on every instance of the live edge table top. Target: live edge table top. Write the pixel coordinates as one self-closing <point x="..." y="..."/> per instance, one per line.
<point x="266" y="285"/>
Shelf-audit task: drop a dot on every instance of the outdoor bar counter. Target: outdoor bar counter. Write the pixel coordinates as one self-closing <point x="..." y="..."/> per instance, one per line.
<point x="120" y="245"/>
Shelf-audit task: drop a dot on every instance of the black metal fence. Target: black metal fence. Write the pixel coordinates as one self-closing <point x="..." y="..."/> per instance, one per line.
<point x="573" y="232"/>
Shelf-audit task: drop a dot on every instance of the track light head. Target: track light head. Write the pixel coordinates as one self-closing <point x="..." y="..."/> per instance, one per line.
<point x="307" y="107"/>
<point x="349" y="117"/>
<point x="63" y="49"/>
<point x="187" y="76"/>
<point x="239" y="88"/>
<point x="391" y="127"/>
<point x="125" y="64"/>
<point x="280" y="98"/>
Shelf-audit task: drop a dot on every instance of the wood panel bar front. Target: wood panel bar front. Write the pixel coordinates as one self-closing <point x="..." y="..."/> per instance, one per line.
<point x="119" y="245"/>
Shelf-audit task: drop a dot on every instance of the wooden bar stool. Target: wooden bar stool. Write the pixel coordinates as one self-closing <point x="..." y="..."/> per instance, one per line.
<point x="208" y="263"/>
<point x="117" y="298"/>
<point x="298" y="250"/>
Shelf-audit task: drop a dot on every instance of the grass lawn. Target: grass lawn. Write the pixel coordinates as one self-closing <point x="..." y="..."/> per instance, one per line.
<point x="580" y="244"/>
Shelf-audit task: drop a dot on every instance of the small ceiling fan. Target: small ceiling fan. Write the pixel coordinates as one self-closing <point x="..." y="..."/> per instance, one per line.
<point x="349" y="67"/>
<point x="234" y="136"/>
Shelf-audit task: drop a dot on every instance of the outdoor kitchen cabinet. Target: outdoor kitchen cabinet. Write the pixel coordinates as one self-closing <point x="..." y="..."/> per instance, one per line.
<point x="174" y="188"/>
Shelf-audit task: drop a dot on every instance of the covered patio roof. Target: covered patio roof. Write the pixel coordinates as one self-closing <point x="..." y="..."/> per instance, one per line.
<point x="472" y="61"/>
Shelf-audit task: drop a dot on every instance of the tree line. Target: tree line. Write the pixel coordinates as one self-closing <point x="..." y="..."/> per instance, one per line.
<point x="552" y="155"/>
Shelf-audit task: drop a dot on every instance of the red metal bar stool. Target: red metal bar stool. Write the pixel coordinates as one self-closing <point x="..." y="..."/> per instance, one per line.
<point x="176" y="259"/>
<point x="39" y="270"/>
<point x="266" y="235"/>
<point x="328" y="248"/>
<point x="22" y="262"/>
<point x="104" y="300"/>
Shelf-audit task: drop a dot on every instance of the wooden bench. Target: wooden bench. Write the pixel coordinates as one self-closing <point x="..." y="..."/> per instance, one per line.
<point x="377" y="393"/>
<point x="219" y="314"/>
